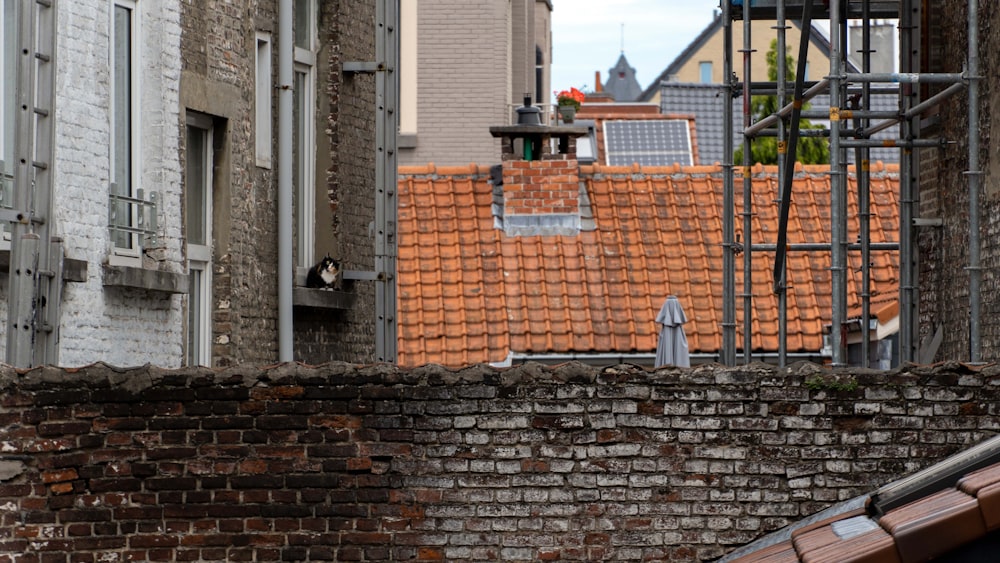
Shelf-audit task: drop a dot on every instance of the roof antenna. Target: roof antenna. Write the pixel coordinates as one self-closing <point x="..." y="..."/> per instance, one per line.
<point x="623" y="38"/>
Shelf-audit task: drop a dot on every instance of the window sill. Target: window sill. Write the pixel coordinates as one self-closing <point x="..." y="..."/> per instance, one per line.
<point x="322" y="298"/>
<point x="73" y="270"/>
<point x="141" y="278"/>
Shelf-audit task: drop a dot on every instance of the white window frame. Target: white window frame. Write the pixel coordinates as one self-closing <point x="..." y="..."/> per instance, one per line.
<point x="305" y="142"/>
<point x="263" y="100"/>
<point x="199" y="302"/>
<point x="130" y="254"/>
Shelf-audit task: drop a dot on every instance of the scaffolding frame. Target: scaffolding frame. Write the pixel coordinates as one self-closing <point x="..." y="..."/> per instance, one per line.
<point x="784" y="125"/>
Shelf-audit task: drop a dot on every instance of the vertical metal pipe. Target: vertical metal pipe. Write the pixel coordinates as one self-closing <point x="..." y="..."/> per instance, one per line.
<point x="974" y="175"/>
<point x="286" y="268"/>
<point x="907" y="267"/>
<point x="781" y="283"/>
<point x="728" y="230"/>
<point x="838" y="217"/>
<point x="747" y="193"/>
<point x="863" y="179"/>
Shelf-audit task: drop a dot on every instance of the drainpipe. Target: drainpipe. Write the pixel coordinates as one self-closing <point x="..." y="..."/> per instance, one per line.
<point x="286" y="269"/>
<point x="974" y="175"/>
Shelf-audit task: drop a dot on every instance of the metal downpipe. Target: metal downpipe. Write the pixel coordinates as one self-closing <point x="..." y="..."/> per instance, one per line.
<point x="974" y="174"/>
<point x="286" y="269"/>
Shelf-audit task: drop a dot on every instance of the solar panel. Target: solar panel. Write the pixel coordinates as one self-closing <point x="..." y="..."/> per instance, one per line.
<point x="655" y="142"/>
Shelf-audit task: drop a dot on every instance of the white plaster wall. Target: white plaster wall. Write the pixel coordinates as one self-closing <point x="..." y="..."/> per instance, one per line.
<point x="115" y="325"/>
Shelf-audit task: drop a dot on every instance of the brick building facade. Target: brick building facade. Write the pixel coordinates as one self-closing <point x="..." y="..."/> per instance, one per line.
<point x="222" y="49"/>
<point x="944" y="250"/>
<point x="166" y="120"/>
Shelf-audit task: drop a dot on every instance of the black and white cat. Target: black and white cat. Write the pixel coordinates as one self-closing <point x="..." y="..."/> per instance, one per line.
<point x="324" y="275"/>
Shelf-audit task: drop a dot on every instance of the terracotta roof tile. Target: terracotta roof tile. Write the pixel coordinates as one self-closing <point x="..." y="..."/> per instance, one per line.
<point x="468" y="293"/>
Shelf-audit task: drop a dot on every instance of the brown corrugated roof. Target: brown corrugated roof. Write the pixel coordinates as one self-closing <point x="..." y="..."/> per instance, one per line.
<point x="922" y="530"/>
<point x="468" y="293"/>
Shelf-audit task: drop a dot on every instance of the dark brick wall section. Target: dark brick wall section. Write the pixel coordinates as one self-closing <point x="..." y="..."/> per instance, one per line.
<point x="370" y="463"/>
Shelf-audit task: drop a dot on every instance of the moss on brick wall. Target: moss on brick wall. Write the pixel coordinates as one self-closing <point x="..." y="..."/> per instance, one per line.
<point x="373" y="463"/>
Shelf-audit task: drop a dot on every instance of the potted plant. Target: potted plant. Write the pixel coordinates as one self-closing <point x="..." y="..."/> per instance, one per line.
<point x="568" y="102"/>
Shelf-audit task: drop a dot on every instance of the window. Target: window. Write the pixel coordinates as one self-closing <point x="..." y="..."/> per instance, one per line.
<point x="262" y="100"/>
<point x="198" y="231"/>
<point x="705" y="72"/>
<point x="125" y="214"/>
<point x="305" y="130"/>
<point x="8" y="101"/>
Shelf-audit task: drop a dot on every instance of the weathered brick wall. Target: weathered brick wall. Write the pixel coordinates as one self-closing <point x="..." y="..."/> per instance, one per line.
<point x="944" y="252"/>
<point x="372" y="463"/>
<point x="218" y="54"/>
<point x="346" y="138"/>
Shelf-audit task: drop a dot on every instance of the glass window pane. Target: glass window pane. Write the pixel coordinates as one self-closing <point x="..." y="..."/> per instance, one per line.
<point x="122" y="61"/>
<point x="8" y="99"/>
<point x="303" y="24"/>
<point x="122" y="123"/>
<point x="196" y="188"/>
<point x="705" y="71"/>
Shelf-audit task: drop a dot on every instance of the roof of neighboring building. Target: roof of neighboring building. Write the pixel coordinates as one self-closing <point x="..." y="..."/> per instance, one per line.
<point x="468" y="293"/>
<point x="706" y="103"/>
<point x="816" y="37"/>
<point x="601" y="113"/>
<point x="948" y="512"/>
<point x="622" y="84"/>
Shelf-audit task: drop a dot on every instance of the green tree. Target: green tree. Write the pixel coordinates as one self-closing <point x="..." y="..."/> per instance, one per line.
<point x="810" y="150"/>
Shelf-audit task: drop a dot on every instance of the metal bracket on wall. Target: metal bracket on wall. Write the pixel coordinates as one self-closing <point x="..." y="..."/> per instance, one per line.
<point x="357" y="66"/>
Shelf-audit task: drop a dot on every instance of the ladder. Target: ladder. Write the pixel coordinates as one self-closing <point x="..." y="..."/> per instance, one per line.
<point x="36" y="258"/>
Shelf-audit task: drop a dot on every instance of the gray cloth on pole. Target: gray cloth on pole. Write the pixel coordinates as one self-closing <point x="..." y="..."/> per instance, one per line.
<point x="672" y="347"/>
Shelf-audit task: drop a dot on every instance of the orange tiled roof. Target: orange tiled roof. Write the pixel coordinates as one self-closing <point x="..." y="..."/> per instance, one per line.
<point x="468" y="293"/>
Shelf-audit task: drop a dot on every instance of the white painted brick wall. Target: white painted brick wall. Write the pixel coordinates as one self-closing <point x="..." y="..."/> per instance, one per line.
<point x="115" y="325"/>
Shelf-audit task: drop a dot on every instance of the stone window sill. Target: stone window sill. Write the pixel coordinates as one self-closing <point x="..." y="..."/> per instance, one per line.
<point x="141" y="278"/>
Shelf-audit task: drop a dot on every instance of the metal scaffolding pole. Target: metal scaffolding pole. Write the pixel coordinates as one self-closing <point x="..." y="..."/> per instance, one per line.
<point x="747" y="193"/>
<point x="908" y="333"/>
<point x="781" y="284"/>
<point x="838" y="195"/>
<point x="728" y="230"/>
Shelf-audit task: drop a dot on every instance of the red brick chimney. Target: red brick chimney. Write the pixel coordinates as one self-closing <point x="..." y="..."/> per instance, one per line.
<point x="541" y="178"/>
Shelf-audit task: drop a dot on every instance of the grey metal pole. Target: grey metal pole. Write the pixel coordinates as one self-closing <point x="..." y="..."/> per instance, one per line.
<point x="781" y="284"/>
<point x="864" y="199"/>
<point x="974" y="175"/>
<point x="838" y="216"/>
<point x="286" y="268"/>
<point x="728" y="219"/>
<point x="748" y="312"/>
<point x="908" y="317"/>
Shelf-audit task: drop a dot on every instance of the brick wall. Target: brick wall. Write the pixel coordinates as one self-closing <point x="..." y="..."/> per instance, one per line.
<point x="540" y="187"/>
<point x="944" y="251"/>
<point x="346" y="143"/>
<point x="373" y="463"/>
<point x="113" y="324"/>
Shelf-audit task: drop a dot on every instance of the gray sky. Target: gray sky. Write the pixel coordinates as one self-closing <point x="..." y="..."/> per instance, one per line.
<point x="587" y="36"/>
